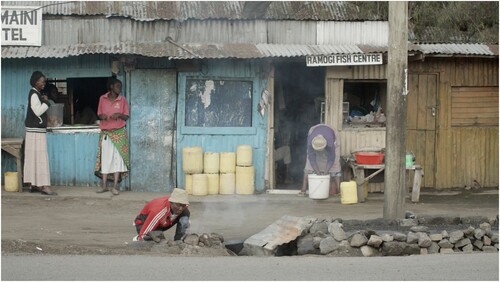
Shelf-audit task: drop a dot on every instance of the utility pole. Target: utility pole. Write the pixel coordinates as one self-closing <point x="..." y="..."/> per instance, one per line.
<point x="397" y="80"/>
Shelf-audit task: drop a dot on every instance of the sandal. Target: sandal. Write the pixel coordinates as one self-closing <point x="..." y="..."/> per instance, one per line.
<point x="102" y="190"/>
<point x="301" y="194"/>
<point x="115" y="192"/>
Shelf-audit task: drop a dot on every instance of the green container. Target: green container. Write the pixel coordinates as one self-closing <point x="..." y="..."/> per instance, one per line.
<point x="410" y="159"/>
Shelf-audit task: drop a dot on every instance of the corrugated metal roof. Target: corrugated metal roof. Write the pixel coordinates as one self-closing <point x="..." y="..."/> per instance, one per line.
<point x="183" y="10"/>
<point x="185" y="51"/>
<point x="174" y="50"/>
<point x="457" y="49"/>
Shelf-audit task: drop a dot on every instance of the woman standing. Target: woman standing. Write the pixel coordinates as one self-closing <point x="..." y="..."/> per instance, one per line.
<point x="112" y="153"/>
<point x="36" y="158"/>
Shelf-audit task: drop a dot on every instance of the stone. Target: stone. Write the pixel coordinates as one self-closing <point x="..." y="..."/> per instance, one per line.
<point x="375" y="241"/>
<point x="489" y="249"/>
<point x="217" y="236"/>
<point x="445" y="234"/>
<point x="446" y="251"/>
<point x="445" y="244"/>
<point x="485" y="226"/>
<point x="478" y="244"/>
<point x="469" y="231"/>
<point x="436" y="237"/>
<point x="424" y="241"/>
<point x="305" y="246"/>
<point x="192" y="239"/>
<point x="424" y="251"/>
<point x="317" y="240"/>
<point x="494" y="238"/>
<point x="393" y="248"/>
<point x="206" y="240"/>
<point x="387" y="237"/>
<point x="399" y="237"/>
<point x="328" y="245"/>
<point x="462" y="242"/>
<point x="335" y="228"/>
<point x="467" y="248"/>
<point x="358" y="240"/>
<point x="412" y="238"/>
<point x="479" y="233"/>
<point x="419" y="228"/>
<point x="319" y="226"/>
<point x="487" y="240"/>
<point x="411" y="249"/>
<point x="455" y="236"/>
<point x="408" y="222"/>
<point x="368" y="251"/>
<point x="433" y="248"/>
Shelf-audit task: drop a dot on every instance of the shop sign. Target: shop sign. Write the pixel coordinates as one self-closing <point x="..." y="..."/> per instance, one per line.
<point x="21" y="26"/>
<point x="343" y="60"/>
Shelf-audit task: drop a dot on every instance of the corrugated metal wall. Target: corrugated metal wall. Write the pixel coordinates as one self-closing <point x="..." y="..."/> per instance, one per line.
<point x="224" y="139"/>
<point x="71" y="156"/>
<point x="344" y="33"/>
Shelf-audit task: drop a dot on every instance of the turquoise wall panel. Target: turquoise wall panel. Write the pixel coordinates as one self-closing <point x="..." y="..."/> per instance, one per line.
<point x="72" y="158"/>
<point x="15" y="87"/>
<point x="226" y="139"/>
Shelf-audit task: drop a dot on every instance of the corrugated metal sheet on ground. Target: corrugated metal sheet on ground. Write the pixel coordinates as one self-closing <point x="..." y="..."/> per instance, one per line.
<point x="183" y="10"/>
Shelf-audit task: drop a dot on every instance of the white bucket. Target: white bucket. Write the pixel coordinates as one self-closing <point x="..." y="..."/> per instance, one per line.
<point x="319" y="186"/>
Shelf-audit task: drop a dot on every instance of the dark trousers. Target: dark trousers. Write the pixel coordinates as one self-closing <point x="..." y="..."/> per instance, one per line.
<point x="182" y="222"/>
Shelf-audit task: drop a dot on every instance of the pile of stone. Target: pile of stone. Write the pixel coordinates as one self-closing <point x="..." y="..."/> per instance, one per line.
<point x="191" y="245"/>
<point x="381" y="238"/>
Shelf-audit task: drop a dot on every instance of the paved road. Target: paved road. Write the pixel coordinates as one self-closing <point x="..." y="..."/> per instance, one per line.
<point x="464" y="267"/>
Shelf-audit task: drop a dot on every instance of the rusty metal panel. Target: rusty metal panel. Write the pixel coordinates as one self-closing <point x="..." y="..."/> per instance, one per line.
<point x="371" y="33"/>
<point x="183" y="10"/>
<point x="152" y="101"/>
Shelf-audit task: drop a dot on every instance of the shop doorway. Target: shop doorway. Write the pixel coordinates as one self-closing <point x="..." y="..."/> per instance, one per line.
<point x="299" y="97"/>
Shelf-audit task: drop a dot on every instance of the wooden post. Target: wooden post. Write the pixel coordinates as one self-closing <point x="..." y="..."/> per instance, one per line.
<point x="397" y="79"/>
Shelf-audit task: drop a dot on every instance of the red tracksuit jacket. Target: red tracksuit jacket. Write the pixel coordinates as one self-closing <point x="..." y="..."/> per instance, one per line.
<point x="158" y="216"/>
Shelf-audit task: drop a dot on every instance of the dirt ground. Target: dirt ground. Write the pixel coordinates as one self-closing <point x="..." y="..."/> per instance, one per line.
<point x="79" y="221"/>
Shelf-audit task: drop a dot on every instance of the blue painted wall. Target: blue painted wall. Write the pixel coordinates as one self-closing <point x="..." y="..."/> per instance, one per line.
<point x="71" y="155"/>
<point x="226" y="139"/>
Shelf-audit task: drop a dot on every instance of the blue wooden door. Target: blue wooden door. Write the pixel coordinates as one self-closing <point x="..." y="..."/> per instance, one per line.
<point x="152" y="98"/>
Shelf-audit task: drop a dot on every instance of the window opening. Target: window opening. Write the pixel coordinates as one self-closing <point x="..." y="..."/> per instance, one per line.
<point x="364" y="103"/>
<point x="80" y="97"/>
<point x="218" y="103"/>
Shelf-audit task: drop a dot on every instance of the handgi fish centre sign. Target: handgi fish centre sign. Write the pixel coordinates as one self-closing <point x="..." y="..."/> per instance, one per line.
<point x="343" y="60"/>
<point x="22" y="26"/>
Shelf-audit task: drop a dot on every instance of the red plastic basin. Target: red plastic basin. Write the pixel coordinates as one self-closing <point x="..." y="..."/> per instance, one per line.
<point x="369" y="157"/>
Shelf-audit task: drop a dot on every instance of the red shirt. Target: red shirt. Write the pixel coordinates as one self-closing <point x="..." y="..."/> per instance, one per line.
<point x="108" y="107"/>
<point x="158" y="214"/>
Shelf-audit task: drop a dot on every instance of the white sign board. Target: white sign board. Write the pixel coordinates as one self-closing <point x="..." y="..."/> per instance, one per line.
<point x="21" y="26"/>
<point x="343" y="60"/>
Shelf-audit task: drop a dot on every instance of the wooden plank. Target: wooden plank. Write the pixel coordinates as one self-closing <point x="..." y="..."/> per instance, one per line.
<point x="412" y="98"/>
<point x="422" y="102"/>
<point x="417" y="179"/>
<point x="474" y="100"/>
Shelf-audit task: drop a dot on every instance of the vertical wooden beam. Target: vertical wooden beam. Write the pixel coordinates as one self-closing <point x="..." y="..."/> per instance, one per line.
<point x="397" y="79"/>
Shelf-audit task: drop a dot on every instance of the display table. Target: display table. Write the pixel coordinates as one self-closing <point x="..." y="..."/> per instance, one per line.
<point x="359" y="173"/>
<point x="13" y="147"/>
